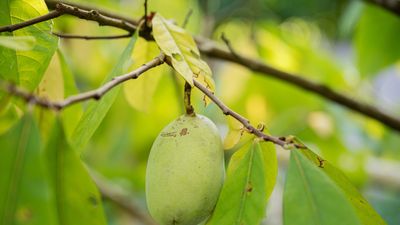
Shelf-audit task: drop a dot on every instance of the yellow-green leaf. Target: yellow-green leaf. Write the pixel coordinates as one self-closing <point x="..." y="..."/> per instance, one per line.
<point x="237" y="135"/>
<point x="139" y="92"/>
<point x="180" y="47"/>
<point x="22" y="43"/>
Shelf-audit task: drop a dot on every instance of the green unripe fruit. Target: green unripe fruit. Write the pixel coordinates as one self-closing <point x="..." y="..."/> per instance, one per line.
<point x="185" y="171"/>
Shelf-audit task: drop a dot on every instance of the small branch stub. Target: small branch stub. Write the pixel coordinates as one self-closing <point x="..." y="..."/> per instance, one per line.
<point x="187" y="94"/>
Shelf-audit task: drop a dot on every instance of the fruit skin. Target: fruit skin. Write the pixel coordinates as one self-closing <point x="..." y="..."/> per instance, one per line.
<point x="185" y="171"/>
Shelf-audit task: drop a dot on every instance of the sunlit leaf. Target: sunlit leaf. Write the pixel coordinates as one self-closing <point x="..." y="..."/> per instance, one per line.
<point x="96" y="111"/>
<point x="270" y="165"/>
<point x="179" y="45"/>
<point x="237" y="135"/>
<point x="245" y="192"/>
<point x="72" y="114"/>
<point x="77" y="198"/>
<point x="26" y="68"/>
<point x="25" y="195"/>
<point x="21" y="43"/>
<point x="326" y="195"/>
<point x="139" y="92"/>
<point x="376" y="40"/>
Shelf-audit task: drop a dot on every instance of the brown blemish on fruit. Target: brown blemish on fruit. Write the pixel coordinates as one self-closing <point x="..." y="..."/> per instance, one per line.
<point x="183" y="132"/>
<point x="168" y="134"/>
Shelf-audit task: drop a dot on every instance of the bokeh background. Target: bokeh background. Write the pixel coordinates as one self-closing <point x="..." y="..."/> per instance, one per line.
<point x="351" y="46"/>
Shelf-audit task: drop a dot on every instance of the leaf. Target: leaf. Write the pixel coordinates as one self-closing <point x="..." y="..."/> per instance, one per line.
<point x="326" y="195"/>
<point x="72" y="114"/>
<point x="270" y="165"/>
<point x="96" y="111"/>
<point x="25" y="195"/>
<point x="375" y="52"/>
<point x="26" y="68"/>
<point x="77" y="198"/>
<point x="139" y="92"/>
<point x="179" y="45"/>
<point x="237" y="135"/>
<point x="243" y="198"/>
<point x="22" y="43"/>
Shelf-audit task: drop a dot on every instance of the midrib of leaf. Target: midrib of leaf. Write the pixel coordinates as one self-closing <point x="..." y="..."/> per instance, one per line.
<point x="16" y="173"/>
<point x="244" y="196"/>
<point x="309" y="192"/>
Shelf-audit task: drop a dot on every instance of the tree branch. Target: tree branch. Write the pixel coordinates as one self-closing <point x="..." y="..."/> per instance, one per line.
<point x="94" y="94"/>
<point x="209" y="48"/>
<point x="227" y="111"/>
<point x="72" y="36"/>
<point x="49" y="16"/>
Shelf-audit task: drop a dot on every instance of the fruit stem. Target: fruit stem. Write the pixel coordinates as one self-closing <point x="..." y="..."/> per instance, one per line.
<point x="188" y="106"/>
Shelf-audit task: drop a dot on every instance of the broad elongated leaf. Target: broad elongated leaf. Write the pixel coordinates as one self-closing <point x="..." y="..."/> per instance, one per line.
<point x="377" y="43"/>
<point x="139" y="92"/>
<point x="22" y="43"/>
<point x="245" y="192"/>
<point x="77" y="198"/>
<point x="25" y="195"/>
<point x="326" y="195"/>
<point x="26" y="68"/>
<point x="96" y="111"/>
<point x="179" y="45"/>
<point x="72" y="114"/>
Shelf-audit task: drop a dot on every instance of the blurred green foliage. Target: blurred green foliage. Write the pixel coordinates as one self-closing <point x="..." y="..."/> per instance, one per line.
<point x="343" y="44"/>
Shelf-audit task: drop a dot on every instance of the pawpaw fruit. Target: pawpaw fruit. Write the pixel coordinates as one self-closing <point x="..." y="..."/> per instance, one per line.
<point x="185" y="171"/>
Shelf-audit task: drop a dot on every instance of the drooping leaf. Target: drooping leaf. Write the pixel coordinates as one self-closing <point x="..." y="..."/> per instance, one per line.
<point x="77" y="198"/>
<point x="244" y="196"/>
<point x="139" y="92"/>
<point x="326" y="195"/>
<point x="26" y="68"/>
<point x="72" y="114"/>
<point x="96" y="111"/>
<point x="376" y="40"/>
<point x="179" y="45"/>
<point x="21" y="43"/>
<point x="270" y="165"/>
<point x="25" y="194"/>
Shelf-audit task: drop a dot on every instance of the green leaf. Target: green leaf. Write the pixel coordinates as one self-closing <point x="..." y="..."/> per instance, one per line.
<point x="237" y="135"/>
<point x="26" y="68"/>
<point x="139" y="92"/>
<point x="270" y="166"/>
<point x="326" y="195"/>
<point x="22" y="43"/>
<point x="96" y="111"/>
<point x="377" y="40"/>
<point x="77" y="198"/>
<point x="25" y="195"/>
<point x="72" y="114"/>
<point x="243" y="198"/>
<point x="179" y="45"/>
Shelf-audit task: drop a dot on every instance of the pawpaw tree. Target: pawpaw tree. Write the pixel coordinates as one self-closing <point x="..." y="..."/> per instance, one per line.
<point x="199" y="112"/>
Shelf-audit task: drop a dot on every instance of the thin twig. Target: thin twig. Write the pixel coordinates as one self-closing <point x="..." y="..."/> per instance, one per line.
<point x="48" y="16"/>
<point x="187" y="17"/>
<point x="145" y="11"/>
<point x="229" y="45"/>
<point x="121" y="198"/>
<point x="227" y="111"/>
<point x="72" y="36"/>
<point x="94" y="94"/>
